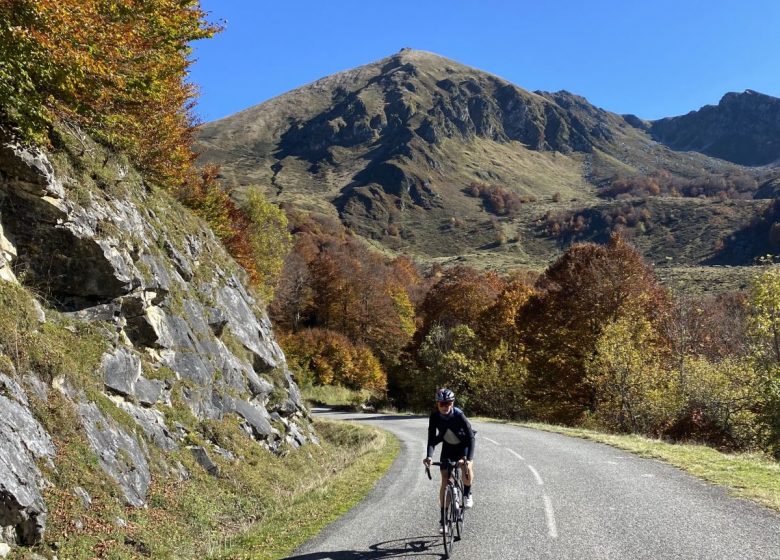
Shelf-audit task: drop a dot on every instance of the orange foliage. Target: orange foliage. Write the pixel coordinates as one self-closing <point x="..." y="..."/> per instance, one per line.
<point x="332" y="359"/>
<point x="583" y="291"/>
<point x="117" y="69"/>
<point x="333" y="281"/>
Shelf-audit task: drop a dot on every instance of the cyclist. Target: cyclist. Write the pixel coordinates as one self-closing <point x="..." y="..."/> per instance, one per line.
<point x="450" y="426"/>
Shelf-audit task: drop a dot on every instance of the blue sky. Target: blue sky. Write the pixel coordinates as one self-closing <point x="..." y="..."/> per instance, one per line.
<point x="653" y="58"/>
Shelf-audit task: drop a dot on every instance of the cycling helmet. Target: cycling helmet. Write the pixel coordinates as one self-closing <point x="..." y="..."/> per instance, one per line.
<point x="445" y="395"/>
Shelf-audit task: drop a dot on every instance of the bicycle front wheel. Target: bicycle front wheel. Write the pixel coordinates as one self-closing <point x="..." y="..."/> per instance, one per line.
<point x="449" y="521"/>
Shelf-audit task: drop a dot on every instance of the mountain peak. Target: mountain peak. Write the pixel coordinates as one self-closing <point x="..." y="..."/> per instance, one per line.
<point x="742" y="127"/>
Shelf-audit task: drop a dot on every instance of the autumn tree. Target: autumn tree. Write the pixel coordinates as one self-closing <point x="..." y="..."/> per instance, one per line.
<point x="587" y="288"/>
<point x="324" y="357"/>
<point x="633" y="391"/>
<point x="459" y="297"/>
<point x="764" y="324"/>
<point x="333" y="281"/>
<point x="117" y="69"/>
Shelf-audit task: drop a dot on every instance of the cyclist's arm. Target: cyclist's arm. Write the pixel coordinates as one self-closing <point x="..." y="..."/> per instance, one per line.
<point x="431" y="436"/>
<point x="470" y="439"/>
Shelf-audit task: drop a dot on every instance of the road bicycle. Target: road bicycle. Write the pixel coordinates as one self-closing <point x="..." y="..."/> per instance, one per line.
<point x="454" y="512"/>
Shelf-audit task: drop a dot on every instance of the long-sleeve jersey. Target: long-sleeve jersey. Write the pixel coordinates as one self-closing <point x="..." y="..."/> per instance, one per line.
<point x="453" y="429"/>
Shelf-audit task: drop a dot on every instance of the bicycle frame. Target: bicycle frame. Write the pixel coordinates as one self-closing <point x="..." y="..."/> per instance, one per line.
<point x="453" y="503"/>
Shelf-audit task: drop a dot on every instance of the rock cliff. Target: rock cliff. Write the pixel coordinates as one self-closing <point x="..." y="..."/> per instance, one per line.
<point x="743" y="128"/>
<point x="93" y="257"/>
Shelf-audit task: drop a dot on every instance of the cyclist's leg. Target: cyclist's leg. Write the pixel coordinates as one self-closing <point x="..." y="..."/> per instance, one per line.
<point x="443" y="486"/>
<point x="468" y="474"/>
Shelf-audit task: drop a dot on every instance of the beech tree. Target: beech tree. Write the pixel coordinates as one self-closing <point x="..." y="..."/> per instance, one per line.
<point x="117" y="69"/>
<point x="587" y="288"/>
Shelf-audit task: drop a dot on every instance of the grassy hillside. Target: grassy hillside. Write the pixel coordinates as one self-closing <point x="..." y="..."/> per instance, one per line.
<point x="392" y="148"/>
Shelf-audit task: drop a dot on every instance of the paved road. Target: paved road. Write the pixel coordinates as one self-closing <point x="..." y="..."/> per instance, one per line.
<point x="544" y="495"/>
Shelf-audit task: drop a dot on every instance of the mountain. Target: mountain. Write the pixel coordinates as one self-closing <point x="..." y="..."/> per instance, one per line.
<point x="420" y="154"/>
<point x="743" y="128"/>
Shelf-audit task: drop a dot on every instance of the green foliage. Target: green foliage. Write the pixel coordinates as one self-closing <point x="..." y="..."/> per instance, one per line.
<point x="634" y="393"/>
<point x="332" y="395"/>
<point x="269" y="240"/>
<point x="722" y="404"/>
<point x="52" y="349"/>
<point x="764" y="325"/>
<point x="447" y="359"/>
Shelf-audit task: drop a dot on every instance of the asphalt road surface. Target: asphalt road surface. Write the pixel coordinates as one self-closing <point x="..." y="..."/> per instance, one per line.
<point x="544" y="495"/>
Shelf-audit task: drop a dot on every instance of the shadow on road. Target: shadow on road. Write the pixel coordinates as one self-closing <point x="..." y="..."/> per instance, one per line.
<point x="416" y="547"/>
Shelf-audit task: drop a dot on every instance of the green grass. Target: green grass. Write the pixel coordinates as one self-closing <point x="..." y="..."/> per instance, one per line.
<point x="261" y="506"/>
<point x="747" y="475"/>
<point x="331" y="395"/>
<point x="293" y="522"/>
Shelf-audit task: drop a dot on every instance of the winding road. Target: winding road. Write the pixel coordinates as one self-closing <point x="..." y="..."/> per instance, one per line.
<point x="544" y="495"/>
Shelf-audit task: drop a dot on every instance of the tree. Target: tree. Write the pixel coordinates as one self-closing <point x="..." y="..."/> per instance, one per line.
<point x="587" y="288"/>
<point x="326" y="357"/>
<point x="268" y="239"/>
<point x="764" y="324"/>
<point x="633" y="391"/>
<point x="118" y="69"/>
<point x="459" y="297"/>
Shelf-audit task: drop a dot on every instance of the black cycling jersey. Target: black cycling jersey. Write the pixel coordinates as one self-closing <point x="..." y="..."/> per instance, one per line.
<point x="454" y="429"/>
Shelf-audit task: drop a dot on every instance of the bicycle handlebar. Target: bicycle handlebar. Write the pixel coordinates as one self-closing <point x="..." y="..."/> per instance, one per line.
<point x="449" y="464"/>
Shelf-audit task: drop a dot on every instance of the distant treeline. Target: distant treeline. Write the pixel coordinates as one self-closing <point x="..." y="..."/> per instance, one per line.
<point x="729" y="185"/>
<point x="594" y="340"/>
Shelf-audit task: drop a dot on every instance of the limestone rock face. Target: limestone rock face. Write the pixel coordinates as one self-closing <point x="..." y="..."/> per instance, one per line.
<point x="23" y="442"/>
<point x="181" y="327"/>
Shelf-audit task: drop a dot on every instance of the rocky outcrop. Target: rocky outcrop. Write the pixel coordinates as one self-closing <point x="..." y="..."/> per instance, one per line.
<point x="743" y="128"/>
<point x="104" y="247"/>
<point x="23" y="442"/>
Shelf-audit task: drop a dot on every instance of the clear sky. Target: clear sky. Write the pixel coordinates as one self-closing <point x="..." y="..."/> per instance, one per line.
<point x="653" y="58"/>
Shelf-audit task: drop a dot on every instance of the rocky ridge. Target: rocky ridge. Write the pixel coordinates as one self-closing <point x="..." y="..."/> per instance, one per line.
<point x="743" y="128"/>
<point x="91" y="243"/>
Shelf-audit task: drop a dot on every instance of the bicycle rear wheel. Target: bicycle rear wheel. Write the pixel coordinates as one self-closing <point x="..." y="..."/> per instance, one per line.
<point x="449" y="521"/>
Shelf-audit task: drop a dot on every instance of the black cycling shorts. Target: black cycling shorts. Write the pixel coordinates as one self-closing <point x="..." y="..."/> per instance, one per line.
<point x="452" y="453"/>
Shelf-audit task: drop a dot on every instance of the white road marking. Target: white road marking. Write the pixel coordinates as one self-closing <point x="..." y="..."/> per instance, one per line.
<point x="539" y="480"/>
<point x="648" y="476"/>
<point x="552" y="528"/>
<point x="515" y="454"/>
<point x="612" y="462"/>
<point x="491" y="441"/>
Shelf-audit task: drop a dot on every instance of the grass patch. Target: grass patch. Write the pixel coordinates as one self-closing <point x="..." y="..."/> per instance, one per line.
<point x="259" y="506"/>
<point x="333" y="490"/>
<point x="751" y="476"/>
<point x="331" y="395"/>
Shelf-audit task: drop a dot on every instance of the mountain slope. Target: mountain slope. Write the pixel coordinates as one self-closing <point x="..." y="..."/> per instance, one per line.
<point x="743" y="128"/>
<point x="412" y="151"/>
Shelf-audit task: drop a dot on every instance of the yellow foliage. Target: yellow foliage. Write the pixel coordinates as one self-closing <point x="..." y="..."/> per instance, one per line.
<point x="329" y="358"/>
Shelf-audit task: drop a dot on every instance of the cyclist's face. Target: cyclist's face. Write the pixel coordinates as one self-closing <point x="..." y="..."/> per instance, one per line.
<point x="444" y="407"/>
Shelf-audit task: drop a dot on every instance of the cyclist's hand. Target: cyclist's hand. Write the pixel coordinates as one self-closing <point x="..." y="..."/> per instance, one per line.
<point x="463" y="461"/>
<point x="427" y="461"/>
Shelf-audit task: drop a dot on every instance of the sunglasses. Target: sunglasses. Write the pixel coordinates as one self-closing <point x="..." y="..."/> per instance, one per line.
<point x="445" y="403"/>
